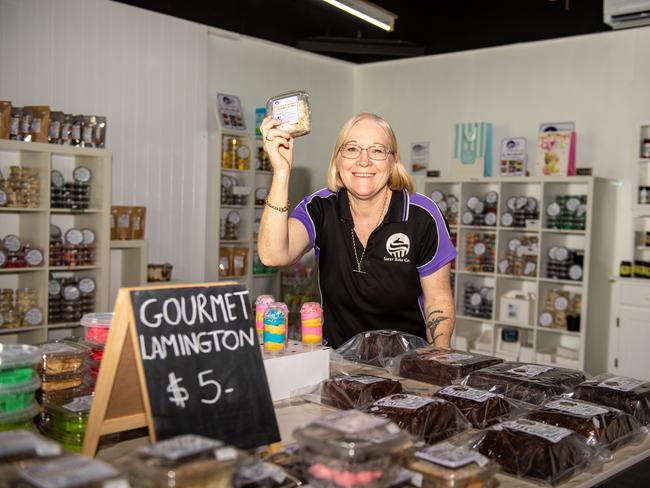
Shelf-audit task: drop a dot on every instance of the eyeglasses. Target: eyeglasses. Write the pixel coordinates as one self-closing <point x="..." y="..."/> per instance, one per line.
<point x="376" y="152"/>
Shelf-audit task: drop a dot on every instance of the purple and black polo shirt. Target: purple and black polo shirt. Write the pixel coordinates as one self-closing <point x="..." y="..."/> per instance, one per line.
<point x="411" y="242"/>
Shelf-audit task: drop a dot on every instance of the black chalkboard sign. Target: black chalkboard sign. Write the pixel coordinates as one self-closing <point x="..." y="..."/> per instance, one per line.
<point x="202" y="363"/>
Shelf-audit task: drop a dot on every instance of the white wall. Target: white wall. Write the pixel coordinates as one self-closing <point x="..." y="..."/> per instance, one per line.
<point x="601" y="81"/>
<point x="147" y="73"/>
<point x="256" y="70"/>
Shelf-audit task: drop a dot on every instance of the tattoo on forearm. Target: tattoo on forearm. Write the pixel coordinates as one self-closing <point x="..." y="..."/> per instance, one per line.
<point x="433" y="321"/>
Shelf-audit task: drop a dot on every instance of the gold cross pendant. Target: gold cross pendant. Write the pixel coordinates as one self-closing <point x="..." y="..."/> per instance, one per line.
<point x="359" y="270"/>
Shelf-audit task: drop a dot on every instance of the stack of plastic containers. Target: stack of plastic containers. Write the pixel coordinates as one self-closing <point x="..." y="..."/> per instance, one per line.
<point x="67" y="423"/>
<point x="96" y="328"/>
<point x="18" y="384"/>
<point x="20" y="449"/>
<point x="61" y="369"/>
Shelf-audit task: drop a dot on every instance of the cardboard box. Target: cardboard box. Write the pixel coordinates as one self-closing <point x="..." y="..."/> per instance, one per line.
<point x="296" y="369"/>
<point x="517" y="307"/>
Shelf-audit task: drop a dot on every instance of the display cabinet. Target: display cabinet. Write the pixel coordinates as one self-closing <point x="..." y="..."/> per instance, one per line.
<point x="74" y="191"/>
<point x="531" y="282"/>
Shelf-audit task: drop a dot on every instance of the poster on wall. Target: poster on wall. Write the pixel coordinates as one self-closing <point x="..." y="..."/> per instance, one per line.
<point x="231" y="115"/>
<point x="419" y="157"/>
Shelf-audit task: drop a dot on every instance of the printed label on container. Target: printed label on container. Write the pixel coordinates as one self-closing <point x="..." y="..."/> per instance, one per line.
<point x="467" y="393"/>
<point x="351" y="422"/>
<point x="79" y="404"/>
<point x="575" y="408"/>
<point x="452" y="357"/>
<point x="549" y="432"/>
<point x="530" y="370"/>
<point x="621" y="383"/>
<point x="286" y="110"/>
<point x="180" y="447"/>
<point x="451" y="456"/>
<point x="408" y="402"/>
<point x="72" y="471"/>
<point x="364" y="379"/>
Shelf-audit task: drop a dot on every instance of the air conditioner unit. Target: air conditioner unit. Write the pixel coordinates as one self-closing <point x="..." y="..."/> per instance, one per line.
<point x="621" y="14"/>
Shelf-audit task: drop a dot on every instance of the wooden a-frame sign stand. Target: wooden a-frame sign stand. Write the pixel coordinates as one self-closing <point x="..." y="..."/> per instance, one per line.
<point x="121" y="400"/>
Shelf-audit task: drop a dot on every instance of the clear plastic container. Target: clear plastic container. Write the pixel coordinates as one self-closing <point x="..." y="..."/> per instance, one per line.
<point x="20" y="449"/>
<point x="293" y="109"/>
<point x="72" y="472"/>
<point x="356" y="390"/>
<point x="61" y="357"/>
<point x="190" y="461"/>
<point x="21" y="419"/>
<point x="18" y="396"/>
<point x="96" y="327"/>
<point x="60" y="397"/>
<point x="71" y="417"/>
<point x="450" y="465"/>
<point x="14" y="356"/>
<point x="350" y="449"/>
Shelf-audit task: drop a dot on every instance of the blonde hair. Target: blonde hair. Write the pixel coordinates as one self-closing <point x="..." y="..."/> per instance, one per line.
<point x="399" y="178"/>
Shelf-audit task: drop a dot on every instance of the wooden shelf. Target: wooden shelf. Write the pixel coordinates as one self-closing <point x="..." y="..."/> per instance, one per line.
<point x="73" y="268"/>
<point x="575" y="232"/>
<point x="561" y="282"/>
<point x="550" y="330"/>
<point x="20" y="270"/>
<point x="18" y="330"/>
<point x="517" y="277"/>
<point x="21" y="210"/>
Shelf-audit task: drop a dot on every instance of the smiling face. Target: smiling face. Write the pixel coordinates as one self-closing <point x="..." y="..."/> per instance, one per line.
<point x="363" y="177"/>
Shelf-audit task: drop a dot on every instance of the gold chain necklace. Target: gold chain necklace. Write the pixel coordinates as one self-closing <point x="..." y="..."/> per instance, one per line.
<point x="354" y="242"/>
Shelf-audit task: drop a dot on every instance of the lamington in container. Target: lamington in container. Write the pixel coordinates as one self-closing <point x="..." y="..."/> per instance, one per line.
<point x="628" y="394"/>
<point x="440" y="366"/>
<point x="530" y="383"/>
<point x="431" y="419"/>
<point x="603" y="426"/>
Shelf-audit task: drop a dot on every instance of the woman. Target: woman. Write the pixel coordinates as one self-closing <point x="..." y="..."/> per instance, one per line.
<point x="383" y="251"/>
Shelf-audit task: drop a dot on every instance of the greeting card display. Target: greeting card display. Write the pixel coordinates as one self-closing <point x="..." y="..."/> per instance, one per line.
<point x="231" y="114"/>
<point x="473" y="150"/>
<point x="513" y="157"/>
<point x="556" y="150"/>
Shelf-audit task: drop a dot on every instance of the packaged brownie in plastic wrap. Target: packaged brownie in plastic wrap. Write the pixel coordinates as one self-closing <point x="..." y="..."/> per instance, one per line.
<point x="350" y="449"/>
<point x="482" y="408"/>
<point x="453" y="463"/>
<point x="602" y="426"/>
<point x="530" y="383"/>
<point x="379" y="347"/>
<point x="541" y="452"/>
<point x="628" y="394"/>
<point x="356" y="390"/>
<point x="441" y="366"/>
<point x="431" y="419"/>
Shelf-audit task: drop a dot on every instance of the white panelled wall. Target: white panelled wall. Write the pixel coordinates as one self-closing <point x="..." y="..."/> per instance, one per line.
<point x="147" y="73"/>
<point x="156" y="78"/>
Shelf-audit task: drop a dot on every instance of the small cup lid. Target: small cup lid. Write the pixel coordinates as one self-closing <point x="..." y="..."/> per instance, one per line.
<point x="102" y="320"/>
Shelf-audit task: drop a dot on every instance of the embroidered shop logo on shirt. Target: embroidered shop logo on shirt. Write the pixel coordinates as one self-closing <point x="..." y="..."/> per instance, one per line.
<point x="398" y="246"/>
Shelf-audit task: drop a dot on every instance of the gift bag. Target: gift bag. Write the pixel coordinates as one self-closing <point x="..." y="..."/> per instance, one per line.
<point x="556" y="150"/>
<point x="473" y="150"/>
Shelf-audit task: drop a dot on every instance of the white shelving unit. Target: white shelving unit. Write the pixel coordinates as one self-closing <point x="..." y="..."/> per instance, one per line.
<point x="256" y="283"/>
<point x="33" y="226"/>
<point x="596" y="241"/>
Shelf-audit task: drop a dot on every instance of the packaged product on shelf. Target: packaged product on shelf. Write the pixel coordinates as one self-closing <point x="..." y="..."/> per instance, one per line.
<point x="453" y="463"/>
<point x="225" y="261"/>
<point x="478" y="301"/>
<point x="263" y="162"/>
<point x="430" y="419"/>
<point x="275" y="328"/>
<point x="14" y="124"/>
<point x="311" y="324"/>
<point x="26" y="125"/>
<point x="564" y="263"/>
<point x="159" y="272"/>
<point x="260" y="195"/>
<point x="347" y="391"/>
<point x="235" y="153"/>
<point x="88" y="131"/>
<point x="5" y="117"/>
<point x="40" y="126"/>
<point x="240" y="261"/>
<point x="542" y="452"/>
<point x="530" y="383"/>
<point x="65" y="395"/>
<point x="562" y="310"/>
<point x="67" y="423"/>
<point x="481" y="210"/>
<point x="54" y="132"/>
<point x="350" y="449"/>
<point x="567" y="212"/>
<point x="100" y="131"/>
<point x="630" y="395"/>
<point x="22" y="188"/>
<point x="139" y="221"/>
<point x="603" y="426"/>
<point x="232" y="226"/>
<point x="480" y="252"/>
<point x="520" y="212"/>
<point x="72" y="472"/>
<point x="63" y="381"/>
<point x="377" y="347"/>
<point x="520" y="258"/>
<point x="441" y="366"/>
<point x="183" y="461"/>
<point x="66" y="130"/>
<point x="293" y="110"/>
<point x="262" y="302"/>
<point x="18" y="381"/>
<point x="448" y="205"/>
<point x="75" y="130"/>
